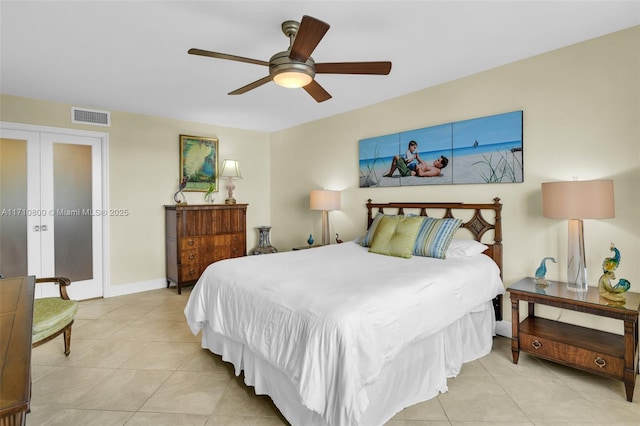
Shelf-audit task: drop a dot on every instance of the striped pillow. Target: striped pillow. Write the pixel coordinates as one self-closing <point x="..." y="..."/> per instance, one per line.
<point x="371" y="232"/>
<point x="434" y="237"/>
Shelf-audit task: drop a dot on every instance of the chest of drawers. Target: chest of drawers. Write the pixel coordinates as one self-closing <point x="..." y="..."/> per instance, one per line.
<point x="198" y="235"/>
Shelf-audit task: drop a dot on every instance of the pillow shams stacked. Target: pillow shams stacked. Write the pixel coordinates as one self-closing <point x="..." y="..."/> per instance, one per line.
<point x="432" y="240"/>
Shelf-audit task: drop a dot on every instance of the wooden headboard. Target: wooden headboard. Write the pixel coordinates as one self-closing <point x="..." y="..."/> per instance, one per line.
<point x="474" y="221"/>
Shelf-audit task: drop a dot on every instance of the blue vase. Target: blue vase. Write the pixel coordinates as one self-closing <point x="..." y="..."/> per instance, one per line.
<point x="310" y="240"/>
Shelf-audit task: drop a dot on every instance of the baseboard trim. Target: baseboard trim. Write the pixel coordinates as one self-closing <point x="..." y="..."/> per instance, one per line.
<point x="503" y="328"/>
<point x="137" y="287"/>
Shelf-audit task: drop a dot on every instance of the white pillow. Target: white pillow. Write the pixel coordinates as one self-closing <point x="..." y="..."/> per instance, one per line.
<point x="464" y="248"/>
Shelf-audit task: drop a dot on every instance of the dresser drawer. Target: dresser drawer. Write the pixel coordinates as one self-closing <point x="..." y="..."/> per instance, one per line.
<point x="226" y="246"/>
<point x="189" y="272"/>
<point x="189" y="243"/>
<point x="189" y="257"/>
<point x="571" y="355"/>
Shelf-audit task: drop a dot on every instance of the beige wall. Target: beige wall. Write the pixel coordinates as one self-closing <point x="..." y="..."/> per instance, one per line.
<point x="144" y="174"/>
<point x="581" y="118"/>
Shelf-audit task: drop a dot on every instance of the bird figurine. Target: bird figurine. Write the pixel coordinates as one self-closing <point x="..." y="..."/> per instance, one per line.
<point x="179" y="197"/>
<point x="338" y="240"/>
<point x="541" y="272"/>
<point x="611" y="263"/>
<point x="607" y="290"/>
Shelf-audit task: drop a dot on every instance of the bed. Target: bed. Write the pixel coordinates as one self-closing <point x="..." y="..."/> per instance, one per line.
<point x="349" y="334"/>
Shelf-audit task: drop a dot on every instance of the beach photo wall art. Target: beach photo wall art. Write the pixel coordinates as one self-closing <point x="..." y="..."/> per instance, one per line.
<point x="479" y="150"/>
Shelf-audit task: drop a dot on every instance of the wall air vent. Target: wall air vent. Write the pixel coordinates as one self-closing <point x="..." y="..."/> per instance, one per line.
<point x="90" y="116"/>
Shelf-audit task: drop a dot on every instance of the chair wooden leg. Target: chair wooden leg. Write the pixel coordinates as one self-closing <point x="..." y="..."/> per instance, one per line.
<point x="67" y="341"/>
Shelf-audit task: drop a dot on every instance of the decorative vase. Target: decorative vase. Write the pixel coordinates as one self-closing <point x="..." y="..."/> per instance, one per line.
<point x="208" y="196"/>
<point x="310" y="240"/>
<point x="264" y="245"/>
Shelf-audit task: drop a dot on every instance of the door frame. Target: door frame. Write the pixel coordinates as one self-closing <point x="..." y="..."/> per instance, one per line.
<point x="104" y="148"/>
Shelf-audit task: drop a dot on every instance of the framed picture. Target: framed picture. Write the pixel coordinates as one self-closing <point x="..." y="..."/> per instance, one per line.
<point x="199" y="163"/>
<point x="479" y="150"/>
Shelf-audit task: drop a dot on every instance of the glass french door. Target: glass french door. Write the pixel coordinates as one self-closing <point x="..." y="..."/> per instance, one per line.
<point x="51" y="212"/>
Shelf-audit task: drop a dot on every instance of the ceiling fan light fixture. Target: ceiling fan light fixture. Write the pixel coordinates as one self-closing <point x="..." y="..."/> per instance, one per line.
<point x="292" y="79"/>
<point x="289" y="73"/>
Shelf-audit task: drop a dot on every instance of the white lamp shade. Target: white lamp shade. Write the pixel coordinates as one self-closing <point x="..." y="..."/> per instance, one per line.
<point x="322" y="199"/>
<point x="588" y="199"/>
<point x="231" y="169"/>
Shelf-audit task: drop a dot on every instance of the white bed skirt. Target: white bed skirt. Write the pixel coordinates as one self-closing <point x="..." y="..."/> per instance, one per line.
<point x="417" y="374"/>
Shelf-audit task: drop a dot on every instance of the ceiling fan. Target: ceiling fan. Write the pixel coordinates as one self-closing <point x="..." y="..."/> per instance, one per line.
<point x="294" y="67"/>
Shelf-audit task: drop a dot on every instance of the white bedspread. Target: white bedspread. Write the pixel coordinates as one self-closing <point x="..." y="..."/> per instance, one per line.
<point x="331" y="317"/>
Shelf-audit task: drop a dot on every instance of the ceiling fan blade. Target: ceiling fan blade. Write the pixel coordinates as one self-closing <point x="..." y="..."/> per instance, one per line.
<point x="377" y="68"/>
<point x="201" y="52"/>
<point x="317" y="92"/>
<point x="251" y="86"/>
<point x="309" y="34"/>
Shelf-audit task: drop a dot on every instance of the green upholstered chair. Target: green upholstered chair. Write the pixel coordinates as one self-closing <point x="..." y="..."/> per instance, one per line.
<point x="53" y="316"/>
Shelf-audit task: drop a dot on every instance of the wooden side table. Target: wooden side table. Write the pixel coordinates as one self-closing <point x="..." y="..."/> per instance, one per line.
<point x="595" y="351"/>
<point x="16" y="328"/>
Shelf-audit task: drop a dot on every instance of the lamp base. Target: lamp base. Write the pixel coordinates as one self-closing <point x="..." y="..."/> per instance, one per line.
<point x="577" y="288"/>
<point x="576" y="265"/>
<point x="326" y="240"/>
<point x="230" y="187"/>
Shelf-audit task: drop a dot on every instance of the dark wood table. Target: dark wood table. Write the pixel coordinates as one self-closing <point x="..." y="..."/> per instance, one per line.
<point x="607" y="354"/>
<point x="16" y="326"/>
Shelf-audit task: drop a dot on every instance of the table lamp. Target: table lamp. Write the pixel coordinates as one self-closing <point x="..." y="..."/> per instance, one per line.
<point x="325" y="200"/>
<point x="230" y="170"/>
<point x="578" y="200"/>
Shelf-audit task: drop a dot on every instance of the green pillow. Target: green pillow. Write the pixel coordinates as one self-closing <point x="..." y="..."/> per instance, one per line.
<point x="434" y="237"/>
<point x="396" y="235"/>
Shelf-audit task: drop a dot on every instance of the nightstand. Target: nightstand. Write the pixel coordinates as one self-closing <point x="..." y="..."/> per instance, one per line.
<point x="595" y="351"/>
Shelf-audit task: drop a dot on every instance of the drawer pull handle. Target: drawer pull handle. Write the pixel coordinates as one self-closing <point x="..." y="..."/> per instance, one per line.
<point x="191" y="242"/>
<point x="536" y="344"/>
<point x="600" y="362"/>
<point x="192" y="256"/>
<point x="192" y="272"/>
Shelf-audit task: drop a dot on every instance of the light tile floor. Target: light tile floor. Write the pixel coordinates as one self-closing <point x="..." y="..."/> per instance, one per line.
<point x="134" y="361"/>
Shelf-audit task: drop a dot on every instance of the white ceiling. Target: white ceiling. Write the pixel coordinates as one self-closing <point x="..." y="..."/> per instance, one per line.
<point x="132" y="56"/>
